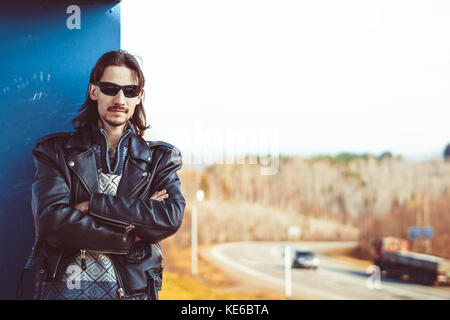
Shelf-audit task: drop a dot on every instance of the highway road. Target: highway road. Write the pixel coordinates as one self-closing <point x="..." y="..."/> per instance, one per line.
<point x="260" y="266"/>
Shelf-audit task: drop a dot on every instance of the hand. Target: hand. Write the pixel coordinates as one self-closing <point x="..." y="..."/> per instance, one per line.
<point x="82" y="206"/>
<point x="160" y="195"/>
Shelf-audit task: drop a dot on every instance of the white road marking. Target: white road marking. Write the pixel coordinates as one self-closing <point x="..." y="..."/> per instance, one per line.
<point x="215" y="252"/>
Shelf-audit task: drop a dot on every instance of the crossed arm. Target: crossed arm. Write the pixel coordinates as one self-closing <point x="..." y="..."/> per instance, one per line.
<point x="158" y="195"/>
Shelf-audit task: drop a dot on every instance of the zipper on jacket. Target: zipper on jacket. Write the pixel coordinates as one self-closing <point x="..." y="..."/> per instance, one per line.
<point x="83" y="256"/>
<point x="120" y="290"/>
<point x="128" y="227"/>
<point x="138" y="188"/>
<point x="106" y="252"/>
<point x="83" y="259"/>
<point x="57" y="264"/>
<point x="121" y="293"/>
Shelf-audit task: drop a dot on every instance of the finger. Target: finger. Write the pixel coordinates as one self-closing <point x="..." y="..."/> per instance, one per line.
<point x="157" y="193"/>
<point x="161" y="198"/>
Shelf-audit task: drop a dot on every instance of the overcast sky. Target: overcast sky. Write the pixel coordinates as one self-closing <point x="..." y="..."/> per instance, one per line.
<point x="325" y="76"/>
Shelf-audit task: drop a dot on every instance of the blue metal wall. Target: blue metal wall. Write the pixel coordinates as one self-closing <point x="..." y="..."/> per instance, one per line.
<point x="45" y="72"/>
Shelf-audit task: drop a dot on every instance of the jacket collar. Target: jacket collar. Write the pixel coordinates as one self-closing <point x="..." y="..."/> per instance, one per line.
<point x="81" y="160"/>
<point x="139" y="149"/>
<point x="82" y="140"/>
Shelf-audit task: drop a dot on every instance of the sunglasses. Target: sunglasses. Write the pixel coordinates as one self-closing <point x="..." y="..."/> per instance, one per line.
<point x="111" y="89"/>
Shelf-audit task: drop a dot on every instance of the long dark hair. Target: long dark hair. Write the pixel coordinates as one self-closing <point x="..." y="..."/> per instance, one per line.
<point x="89" y="110"/>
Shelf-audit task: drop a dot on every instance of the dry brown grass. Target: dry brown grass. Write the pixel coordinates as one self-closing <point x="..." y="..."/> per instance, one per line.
<point x="210" y="284"/>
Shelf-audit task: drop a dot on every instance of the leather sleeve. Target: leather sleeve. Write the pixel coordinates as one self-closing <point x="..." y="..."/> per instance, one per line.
<point x="153" y="220"/>
<point x="56" y="221"/>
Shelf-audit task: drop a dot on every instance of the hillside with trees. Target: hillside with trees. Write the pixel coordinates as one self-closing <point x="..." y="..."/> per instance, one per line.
<point x="346" y="197"/>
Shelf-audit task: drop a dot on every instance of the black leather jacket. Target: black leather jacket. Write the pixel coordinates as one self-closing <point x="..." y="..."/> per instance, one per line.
<point x="66" y="174"/>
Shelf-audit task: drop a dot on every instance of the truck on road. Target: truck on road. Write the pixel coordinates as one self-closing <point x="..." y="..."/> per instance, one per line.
<point x="395" y="260"/>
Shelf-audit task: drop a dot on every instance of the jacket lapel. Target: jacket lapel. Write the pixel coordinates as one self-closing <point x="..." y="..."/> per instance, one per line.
<point x="135" y="168"/>
<point x="85" y="168"/>
<point x="81" y="160"/>
<point x="133" y="177"/>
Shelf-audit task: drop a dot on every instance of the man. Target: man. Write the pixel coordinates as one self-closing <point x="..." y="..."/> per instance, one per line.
<point x="103" y="198"/>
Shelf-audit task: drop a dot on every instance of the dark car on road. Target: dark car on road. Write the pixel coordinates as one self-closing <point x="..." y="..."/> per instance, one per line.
<point x="305" y="259"/>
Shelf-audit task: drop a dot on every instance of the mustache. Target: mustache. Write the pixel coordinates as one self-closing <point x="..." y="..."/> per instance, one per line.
<point x="114" y="108"/>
